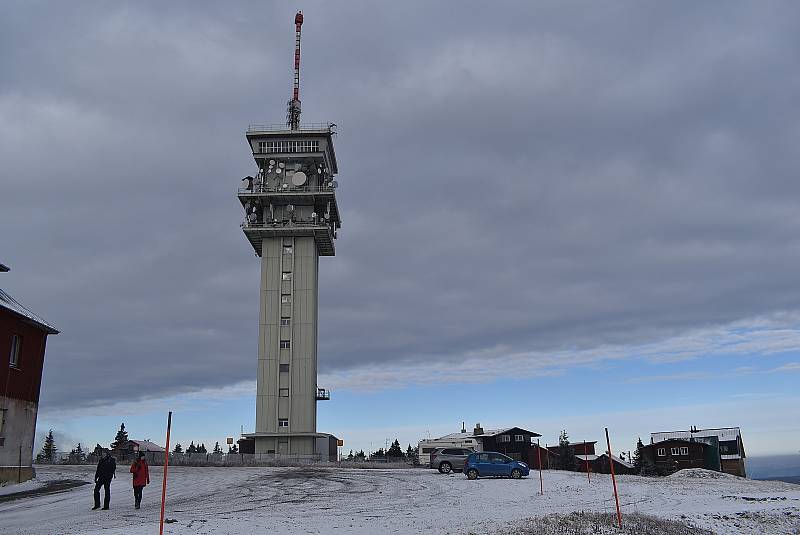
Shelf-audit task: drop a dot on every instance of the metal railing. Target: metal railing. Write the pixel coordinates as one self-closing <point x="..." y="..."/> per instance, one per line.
<point x="288" y="224"/>
<point x="308" y="127"/>
<point x="289" y="189"/>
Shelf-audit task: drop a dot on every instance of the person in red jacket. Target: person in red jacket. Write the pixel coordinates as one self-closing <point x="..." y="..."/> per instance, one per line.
<point x="141" y="477"/>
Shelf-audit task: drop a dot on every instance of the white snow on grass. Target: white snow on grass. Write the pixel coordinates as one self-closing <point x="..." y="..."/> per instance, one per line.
<point x="207" y="500"/>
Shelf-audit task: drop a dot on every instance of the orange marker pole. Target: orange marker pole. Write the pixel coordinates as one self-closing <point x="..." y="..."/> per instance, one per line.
<point x="539" y="453"/>
<point x="613" y="480"/>
<point x="164" y="482"/>
<point x="586" y="458"/>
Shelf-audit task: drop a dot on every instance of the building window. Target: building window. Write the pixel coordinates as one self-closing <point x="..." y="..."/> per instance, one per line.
<point x="662" y="452"/>
<point x="286" y="276"/>
<point x="2" y="421"/>
<point x="685" y="451"/>
<point x="675" y="451"/>
<point x="504" y="438"/>
<point x="286" y="299"/>
<point x="519" y="438"/>
<point x="286" y="344"/>
<point x="262" y="146"/>
<point x="283" y="422"/>
<point x="284" y="367"/>
<point x="287" y="249"/>
<point x="289" y="146"/>
<point x="286" y="321"/>
<point x="16" y="344"/>
<point x="284" y="392"/>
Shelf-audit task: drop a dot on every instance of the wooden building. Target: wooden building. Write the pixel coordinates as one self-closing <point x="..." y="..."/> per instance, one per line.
<point x="727" y="439"/>
<point x="23" y="336"/>
<point x="671" y="455"/>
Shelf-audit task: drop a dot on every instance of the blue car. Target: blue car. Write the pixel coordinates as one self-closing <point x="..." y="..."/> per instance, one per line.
<point x="493" y="464"/>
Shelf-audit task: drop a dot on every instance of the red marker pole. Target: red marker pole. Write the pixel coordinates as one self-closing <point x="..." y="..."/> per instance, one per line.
<point x="164" y="482"/>
<point x="613" y="480"/>
<point x="586" y="458"/>
<point x="539" y="453"/>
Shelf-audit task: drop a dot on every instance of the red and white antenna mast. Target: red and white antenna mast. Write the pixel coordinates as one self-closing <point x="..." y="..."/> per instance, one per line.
<point x="293" y="112"/>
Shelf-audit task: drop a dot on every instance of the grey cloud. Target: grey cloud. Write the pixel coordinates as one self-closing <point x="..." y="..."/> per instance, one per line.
<point x="534" y="178"/>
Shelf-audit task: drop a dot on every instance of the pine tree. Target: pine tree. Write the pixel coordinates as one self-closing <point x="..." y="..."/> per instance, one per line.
<point x="77" y="455"/>
<point x="217" y="449"/>
<point x="410" y="453"/>
<point x="201" y="448"/>
<point x="638" y="460"/>
<point x="48" y="453"/>
<point x="395" y="451"/>
<point x="98" y="450"/>
<point x="192" y="448"/>
<point x="233" y="449"/>
<point x="121" y="439"/>
<point x="566" y="453"/>
<point x="361" y="455"/>
<point x="178" y="449"/>
<point x="350" y="456"/>
<point x="378" y="454"/>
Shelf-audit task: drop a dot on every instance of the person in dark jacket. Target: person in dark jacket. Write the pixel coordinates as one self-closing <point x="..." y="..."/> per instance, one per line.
<point x="141" y="477"/>
<point x="102" y="478"/>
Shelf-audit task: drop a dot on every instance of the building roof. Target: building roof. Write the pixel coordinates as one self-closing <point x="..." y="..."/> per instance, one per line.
<point x="686" y="440"/>
<point x="9" y="303"/>
<point x="589" y="457"/>
<point x="616" y="460"/>
<point x="4" y="268"/>
<point x="146" y="445"/>
<point x="723" y="433"/>
<point x="486" y="433"/>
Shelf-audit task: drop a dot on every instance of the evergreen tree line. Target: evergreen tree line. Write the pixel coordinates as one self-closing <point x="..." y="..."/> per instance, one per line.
<point x="394" y="452"/>
<point x="49" y="451"/>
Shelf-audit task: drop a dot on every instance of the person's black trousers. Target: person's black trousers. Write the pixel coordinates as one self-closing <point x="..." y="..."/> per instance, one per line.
<point x="107" y="497"/>
<point x="137" y="495"/>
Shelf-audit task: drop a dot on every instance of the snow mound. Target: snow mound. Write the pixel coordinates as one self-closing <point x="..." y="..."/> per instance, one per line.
<point x="700" y="473"/>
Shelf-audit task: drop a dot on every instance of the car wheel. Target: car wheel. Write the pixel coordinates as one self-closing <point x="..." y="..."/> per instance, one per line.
<point x="516" y="473"/>
<point x="472" y="473"/>
<point x="445" y="467"/>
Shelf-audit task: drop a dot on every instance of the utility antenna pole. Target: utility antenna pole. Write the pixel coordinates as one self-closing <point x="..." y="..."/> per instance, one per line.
<point x="293" y="110"/>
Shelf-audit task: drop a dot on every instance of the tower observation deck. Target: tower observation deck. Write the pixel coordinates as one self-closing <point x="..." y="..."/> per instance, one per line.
<point x="291" y="219"/>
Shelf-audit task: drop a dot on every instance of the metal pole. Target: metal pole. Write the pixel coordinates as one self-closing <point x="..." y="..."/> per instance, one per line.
<point x="613" y="480"/>
<point x="539" y="453"/>
<point x="19" y="466"/>
<point x="586" y="458"/>
<point x="164" y="482"/>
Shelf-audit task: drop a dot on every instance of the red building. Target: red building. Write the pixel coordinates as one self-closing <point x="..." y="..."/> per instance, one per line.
<point x="23" y="336"/>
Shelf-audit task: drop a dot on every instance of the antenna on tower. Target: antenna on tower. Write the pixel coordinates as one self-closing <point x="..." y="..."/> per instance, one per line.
<point x="293" y="109"/>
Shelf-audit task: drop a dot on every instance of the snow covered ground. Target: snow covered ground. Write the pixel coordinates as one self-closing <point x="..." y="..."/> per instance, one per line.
<point x="206" y="500"/>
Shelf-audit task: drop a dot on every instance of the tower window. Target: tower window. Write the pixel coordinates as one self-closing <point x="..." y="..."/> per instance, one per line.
<point x="284" y="392"/>
<point x="662" y="452"/>
<point x="286" y="299"/>
<point x="16" y="344"/>
<point x="286" y="275"/>
<point x="286" y="344"/>
<point x="283" y="422"/>
<point x="284" y="367"/>
<point x="285" y="322"/>
<point x="262" y="146"/>
<point x="287" y="249"/>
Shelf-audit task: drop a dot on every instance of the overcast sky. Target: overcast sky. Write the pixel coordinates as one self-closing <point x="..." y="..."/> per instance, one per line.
<point x="528" y="190"/>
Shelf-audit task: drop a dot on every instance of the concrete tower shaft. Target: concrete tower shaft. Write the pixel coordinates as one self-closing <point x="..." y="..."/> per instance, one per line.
<point x="291" y="219"/>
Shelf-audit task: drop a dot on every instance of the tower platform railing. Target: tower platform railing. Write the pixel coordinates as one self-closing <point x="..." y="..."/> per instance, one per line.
<point x="281" y="127"/>
<point x="289" y="189"/>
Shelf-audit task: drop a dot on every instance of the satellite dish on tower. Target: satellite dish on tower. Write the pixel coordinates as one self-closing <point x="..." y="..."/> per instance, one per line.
<point x="271" y="163"/>
<point x="299" y="178"/>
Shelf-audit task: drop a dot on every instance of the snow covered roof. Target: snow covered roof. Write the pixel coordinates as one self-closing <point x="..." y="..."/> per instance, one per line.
<point x="616" y="460"/>
<point x="486" y="433"/>
<point x="146" y="445"/>
<point x="9" y="303"/>
<point x="723" y="433"/>
<point x="589" y="458"/>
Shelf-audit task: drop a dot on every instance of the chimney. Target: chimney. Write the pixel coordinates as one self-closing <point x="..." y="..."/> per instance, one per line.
<point x="478" y="429"/>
